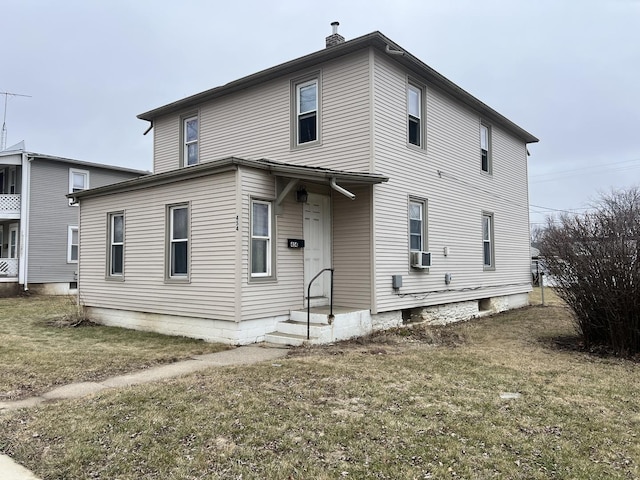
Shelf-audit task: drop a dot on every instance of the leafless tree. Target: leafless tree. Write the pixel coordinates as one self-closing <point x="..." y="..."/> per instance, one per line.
<point x="595" y="261"/>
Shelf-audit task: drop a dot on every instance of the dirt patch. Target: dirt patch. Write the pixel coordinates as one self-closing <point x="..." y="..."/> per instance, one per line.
<point x="388" y="342"/>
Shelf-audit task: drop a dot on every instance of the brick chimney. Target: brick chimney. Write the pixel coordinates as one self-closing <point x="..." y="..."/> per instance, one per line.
<point x="335" y="38"/>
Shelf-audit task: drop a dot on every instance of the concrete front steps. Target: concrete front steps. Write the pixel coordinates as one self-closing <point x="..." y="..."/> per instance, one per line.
<point x="346" y="323"/>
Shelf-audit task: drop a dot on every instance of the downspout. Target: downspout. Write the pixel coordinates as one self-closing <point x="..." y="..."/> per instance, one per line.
<point x="343" y="191"/>
<point x="25" y="196"/>
<point x="150" y="127"/>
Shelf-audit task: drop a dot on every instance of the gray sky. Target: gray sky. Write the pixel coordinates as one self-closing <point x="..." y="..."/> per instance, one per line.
<point x="565" y="70"/>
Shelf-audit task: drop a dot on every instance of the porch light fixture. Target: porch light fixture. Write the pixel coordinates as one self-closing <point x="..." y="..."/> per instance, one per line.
<point x="301" y="195"/>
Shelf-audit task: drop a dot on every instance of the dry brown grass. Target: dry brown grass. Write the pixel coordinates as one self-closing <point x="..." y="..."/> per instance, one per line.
<point x="46" y="342"/>
<point x="400" y="406"/>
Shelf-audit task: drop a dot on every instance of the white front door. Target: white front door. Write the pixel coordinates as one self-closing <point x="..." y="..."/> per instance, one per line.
<point x="317" y="247"/>
<point x="13" y="241"/>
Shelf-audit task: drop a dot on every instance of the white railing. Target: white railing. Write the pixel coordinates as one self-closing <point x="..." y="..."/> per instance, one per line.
<point x="9" y="204"/>
<point x="8" y="267"/>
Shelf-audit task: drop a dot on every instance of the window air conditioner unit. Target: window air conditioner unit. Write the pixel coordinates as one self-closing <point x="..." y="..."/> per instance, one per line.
<point x="420" y="259"/>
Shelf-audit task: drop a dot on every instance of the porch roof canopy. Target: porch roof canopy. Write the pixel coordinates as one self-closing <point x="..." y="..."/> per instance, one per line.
<point x="296" y="173"/>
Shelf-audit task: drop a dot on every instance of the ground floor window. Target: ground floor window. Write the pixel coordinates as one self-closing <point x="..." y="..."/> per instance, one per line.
<point x="261" y="238"/>
<point x="72" y="245"/>
<point x="487" y="241"/>
<point x="116" y="244"/>
<point x="178" y="236"/>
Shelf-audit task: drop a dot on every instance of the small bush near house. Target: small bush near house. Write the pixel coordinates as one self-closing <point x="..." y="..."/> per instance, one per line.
<point x="594" y="258"/>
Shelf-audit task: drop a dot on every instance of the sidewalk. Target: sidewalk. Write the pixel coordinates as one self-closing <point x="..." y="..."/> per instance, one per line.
<point x="9" y="470"/>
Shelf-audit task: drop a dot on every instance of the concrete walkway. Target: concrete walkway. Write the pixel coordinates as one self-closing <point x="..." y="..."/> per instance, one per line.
<point x="9" y="470"/>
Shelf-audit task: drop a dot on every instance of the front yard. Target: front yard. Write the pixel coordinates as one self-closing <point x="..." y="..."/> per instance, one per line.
<point x="39" y="350"/>
<point x="419" y="403"/>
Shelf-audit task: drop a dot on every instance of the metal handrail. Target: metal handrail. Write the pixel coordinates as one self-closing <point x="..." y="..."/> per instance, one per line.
<point x="309" y="299"/>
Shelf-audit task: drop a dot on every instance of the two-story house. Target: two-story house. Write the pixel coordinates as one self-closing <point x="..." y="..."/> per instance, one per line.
<point x="358" y="157"/>
<point x="38" y="224"/>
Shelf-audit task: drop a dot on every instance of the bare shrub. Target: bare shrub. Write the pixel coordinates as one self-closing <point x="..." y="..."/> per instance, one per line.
<point x="594" y="259"/>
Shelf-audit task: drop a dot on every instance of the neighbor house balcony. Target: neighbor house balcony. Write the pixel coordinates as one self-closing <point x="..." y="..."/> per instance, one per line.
<point x="10" y="206"/>
<point x="8" y="268"/>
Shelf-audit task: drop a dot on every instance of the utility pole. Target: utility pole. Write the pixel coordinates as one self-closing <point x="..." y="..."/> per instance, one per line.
<point x="3" y="138"/>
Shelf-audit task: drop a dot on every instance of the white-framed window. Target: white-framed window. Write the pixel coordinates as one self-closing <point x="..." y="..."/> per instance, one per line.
<point x="485" y="148"/>
<point x="78" y="181"/>
<point x="190" y="136"/>
<point x="414" y="115"/>
<point x="487" y="241"/>
<point x="417" y="224"/>
<point x="13" y="174"/>
<point x="306" y="111"/>
<point x="261" y="238"/>
<point x="1" y="239"/>
<point x="178" y="236"/>
<point x="72" y="244"/>
<point x="116" y="245"/>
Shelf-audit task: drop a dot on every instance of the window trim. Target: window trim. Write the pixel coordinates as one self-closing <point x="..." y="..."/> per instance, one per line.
<point x="415" y="86"/>
<point x="487" y="127"/>
<point x="491" y="241"/>
<point x="181" y="278"/>
<point x="70" y="230"/>
<point x="271" y="259"/>
<point x="184" y="153"/>
<point x="2" y="240"/>
<point x="13" y="180"/>
<point x="110" y="244"/>
<point x="72" y="172"/>
<point x="424" y="240"/>
<point x="296" y="84"/>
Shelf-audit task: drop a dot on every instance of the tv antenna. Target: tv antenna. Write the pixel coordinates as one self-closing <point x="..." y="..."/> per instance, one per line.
<point x="3" y="139"/>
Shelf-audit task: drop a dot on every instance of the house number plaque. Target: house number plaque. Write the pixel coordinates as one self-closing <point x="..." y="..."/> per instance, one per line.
<point x="295" y="243"/>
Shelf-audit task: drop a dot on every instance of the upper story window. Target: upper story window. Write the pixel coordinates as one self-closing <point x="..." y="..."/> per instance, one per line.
<point x="78" y="181"/>
<point x="178" y="236"/>
<point x="485" y="148"/>
<point x="13" y="174"/>
<point x="261" y="243"/>
<point x="190" y="135"/>
<point x="414" y="115"/>
<point x="307" y="112"/>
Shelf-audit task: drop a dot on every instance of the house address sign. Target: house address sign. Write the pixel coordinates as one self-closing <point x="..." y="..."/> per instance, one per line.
<point x="295" y="243"/>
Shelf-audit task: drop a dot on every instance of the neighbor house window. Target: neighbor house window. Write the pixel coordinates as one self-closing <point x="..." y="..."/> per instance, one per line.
<point x="417" y="224"/>
<point x="190" y="135"/>
<point x="260" y="238"/>
<point x="307" y="112"/>
<point x="78" y="181"/>
<point x="485" y="148"/>
<point x="72" y="245"/>
<point x="487" y="241"/>
<point x="116" y="244"/>
<point x="178" y="241"/>
<point x="12" y="180"/>
<point x="414" y="114"/>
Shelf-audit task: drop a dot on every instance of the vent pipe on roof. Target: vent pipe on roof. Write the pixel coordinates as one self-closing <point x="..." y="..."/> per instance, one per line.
<point x="335" y="38"/>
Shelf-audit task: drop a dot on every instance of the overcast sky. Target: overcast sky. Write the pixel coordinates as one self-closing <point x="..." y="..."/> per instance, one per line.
<point x="567" y="71"/>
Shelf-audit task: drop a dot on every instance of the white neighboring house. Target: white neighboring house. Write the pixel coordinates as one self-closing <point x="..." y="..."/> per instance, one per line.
<point x="358" y="157"/>
<point x="38" y="224"/>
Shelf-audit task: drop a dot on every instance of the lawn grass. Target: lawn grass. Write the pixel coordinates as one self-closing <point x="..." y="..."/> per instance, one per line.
<point x="396" y="406"/>
<point x="39" y="350"/>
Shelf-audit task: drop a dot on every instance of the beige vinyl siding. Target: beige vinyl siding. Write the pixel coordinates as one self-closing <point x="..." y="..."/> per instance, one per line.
<point x="50" y="217"/>
<point x="166" y="143"/>
<point x="256" y="123"/>
<point x="352" y="248"/>
<point x="447" y="174"/>
<point x="271" y="297"/>
<point x="211" y="291"/>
